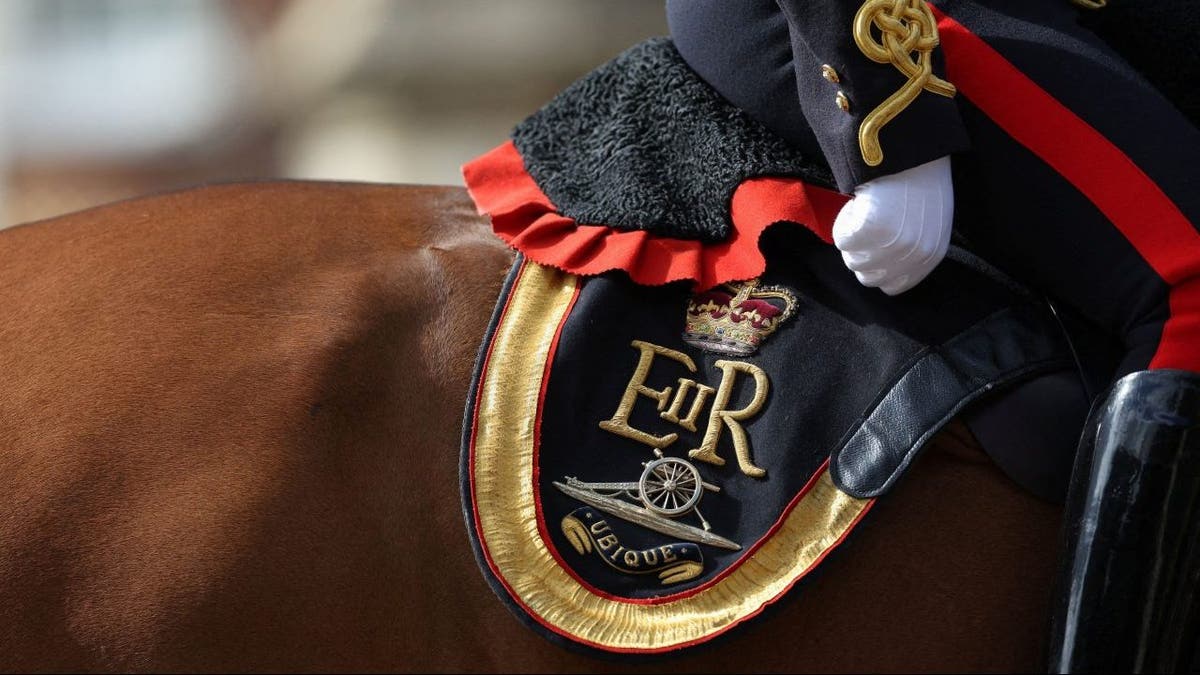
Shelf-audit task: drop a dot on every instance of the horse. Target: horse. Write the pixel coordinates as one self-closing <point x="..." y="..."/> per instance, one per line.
<point x="229" y="440"/>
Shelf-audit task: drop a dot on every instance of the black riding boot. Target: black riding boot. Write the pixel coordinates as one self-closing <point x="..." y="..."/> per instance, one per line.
<point x="1128" y="592"/>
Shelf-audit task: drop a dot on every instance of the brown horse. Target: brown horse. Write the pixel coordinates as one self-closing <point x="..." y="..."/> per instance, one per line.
<point x="229" y="440"/>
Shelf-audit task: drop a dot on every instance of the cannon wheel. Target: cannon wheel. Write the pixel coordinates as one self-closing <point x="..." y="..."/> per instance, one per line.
<point x="670" y="486"/>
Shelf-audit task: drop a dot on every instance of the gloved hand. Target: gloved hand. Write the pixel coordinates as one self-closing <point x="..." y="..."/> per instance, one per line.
<point x="897" y="227"/>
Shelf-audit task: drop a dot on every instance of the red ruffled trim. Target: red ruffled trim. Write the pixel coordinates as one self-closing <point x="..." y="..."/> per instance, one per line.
<point x="523" y="216"/>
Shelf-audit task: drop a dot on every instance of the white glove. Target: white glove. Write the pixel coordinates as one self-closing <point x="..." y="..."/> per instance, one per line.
<point x="897" y="227"/>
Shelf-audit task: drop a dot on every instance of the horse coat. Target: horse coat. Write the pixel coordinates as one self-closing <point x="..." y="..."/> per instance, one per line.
<point x="229" y="438"/>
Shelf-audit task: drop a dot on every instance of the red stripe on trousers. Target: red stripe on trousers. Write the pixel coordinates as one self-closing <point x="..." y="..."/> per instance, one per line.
<point x="1133" y="202"/>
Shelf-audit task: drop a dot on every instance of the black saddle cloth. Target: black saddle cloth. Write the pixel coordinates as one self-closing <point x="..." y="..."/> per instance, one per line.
<point x="585" y="382"/>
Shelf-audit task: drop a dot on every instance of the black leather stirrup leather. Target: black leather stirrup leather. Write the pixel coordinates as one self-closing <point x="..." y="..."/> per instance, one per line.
<point x="1128" y="593"/>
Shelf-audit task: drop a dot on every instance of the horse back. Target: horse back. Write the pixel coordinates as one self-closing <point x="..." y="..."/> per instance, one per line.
<point x="229" y="436"/>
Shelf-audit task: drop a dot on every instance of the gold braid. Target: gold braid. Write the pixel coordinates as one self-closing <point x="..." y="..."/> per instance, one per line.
<point x="907" y="36"/>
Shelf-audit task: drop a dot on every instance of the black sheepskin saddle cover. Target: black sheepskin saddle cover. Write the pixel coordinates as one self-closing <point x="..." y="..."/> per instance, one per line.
<point x="643" y="143"/>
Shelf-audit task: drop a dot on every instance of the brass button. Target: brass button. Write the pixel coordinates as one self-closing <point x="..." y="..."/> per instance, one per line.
<point x="842" y="102"/>
<point x="829" y="73"/>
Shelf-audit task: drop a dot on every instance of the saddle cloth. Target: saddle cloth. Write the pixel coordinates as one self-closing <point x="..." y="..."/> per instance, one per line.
<point x="658" y="444"/>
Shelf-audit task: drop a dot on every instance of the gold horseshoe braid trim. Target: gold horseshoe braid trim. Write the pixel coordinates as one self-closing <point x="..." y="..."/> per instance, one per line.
<point x="1091" y="4"/>
<point x="502" y="485"/>
<point x="904" y="26"/>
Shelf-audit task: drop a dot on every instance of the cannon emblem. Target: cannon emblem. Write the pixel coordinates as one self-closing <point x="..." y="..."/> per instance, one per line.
<point x="668" y="488"/>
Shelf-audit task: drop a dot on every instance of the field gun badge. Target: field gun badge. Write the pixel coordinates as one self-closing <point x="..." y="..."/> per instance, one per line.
<point x="668" y="488"/>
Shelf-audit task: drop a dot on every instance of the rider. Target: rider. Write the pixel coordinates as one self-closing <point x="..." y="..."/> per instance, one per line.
<point x="1067" y="168"/>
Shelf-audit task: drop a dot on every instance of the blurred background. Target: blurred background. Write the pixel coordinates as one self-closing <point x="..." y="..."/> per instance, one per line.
<point x="102" y="100"/>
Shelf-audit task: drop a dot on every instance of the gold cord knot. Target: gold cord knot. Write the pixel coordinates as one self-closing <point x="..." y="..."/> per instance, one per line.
<point x="907" y="37"/>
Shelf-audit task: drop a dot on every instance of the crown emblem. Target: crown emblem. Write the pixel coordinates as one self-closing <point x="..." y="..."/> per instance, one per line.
<point x="736" y="318"/>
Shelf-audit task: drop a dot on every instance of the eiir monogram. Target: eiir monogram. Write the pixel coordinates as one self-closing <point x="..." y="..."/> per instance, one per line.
<point x="719" y="416"/>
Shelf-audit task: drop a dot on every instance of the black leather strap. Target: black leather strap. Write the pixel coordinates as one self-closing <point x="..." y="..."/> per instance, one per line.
<point x="1006" y="347"/>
